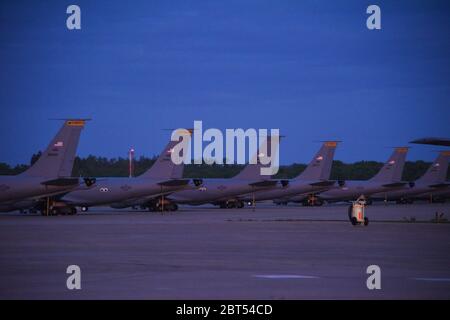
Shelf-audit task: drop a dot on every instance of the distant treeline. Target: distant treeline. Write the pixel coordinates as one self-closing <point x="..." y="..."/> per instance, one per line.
<point x="93" y="166"/>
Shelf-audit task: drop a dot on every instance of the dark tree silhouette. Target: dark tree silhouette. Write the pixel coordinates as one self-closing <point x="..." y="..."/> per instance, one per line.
<point x="35" y="157"/>
<point x="94" y="166"/>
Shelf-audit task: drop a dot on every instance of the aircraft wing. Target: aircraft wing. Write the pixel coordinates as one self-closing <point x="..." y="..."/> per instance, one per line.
<point x="323" y="183"/>
<point x="264" y="183"/>
<point x="394" y="184"/>
<point x="440" y="185"/>
<point x="61" y="182"/>
<point x="174" y="182"/>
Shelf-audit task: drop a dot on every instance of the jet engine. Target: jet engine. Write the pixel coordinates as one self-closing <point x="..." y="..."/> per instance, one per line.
<point x="89" y="181"/>
<point x="284" y="183"/>
<point x="197" y="182"/>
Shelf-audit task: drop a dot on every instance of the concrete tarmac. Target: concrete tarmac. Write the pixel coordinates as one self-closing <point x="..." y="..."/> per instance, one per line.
<point x="208" y="253"/>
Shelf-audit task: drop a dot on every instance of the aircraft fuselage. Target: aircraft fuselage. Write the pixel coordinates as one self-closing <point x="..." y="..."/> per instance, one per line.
<point x="117" y="190"/>
<point x="215" y="191"/>
<point x="353" y="189"/>
<point x="14" y="188"/>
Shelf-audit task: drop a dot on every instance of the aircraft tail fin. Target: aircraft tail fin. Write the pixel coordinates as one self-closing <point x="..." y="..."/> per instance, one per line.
<point x="392" y="170"/>
<point x="253" y="171"/>
<point x="437" y="172"/>
<point x="320" y="166"/>
<point x="57" y="160"/>
<point x="164" y="168"/>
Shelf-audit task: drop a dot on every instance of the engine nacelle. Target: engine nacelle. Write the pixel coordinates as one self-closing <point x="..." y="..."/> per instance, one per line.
<point x="197" y="182"/>
<point x="89" y="181"/>
<point x="284" y="183"/>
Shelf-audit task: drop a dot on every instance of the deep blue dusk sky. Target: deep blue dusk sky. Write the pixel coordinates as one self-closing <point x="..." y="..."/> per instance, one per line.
<point x="310" y="68"/>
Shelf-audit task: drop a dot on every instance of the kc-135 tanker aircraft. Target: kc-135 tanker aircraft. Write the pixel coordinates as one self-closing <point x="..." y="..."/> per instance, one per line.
<point x="388" y="178"/>
<point x="162" y="178"/>
<point x="314" y="179"/>
<point x="48" y="185"/>
<point x="49" y="176"/>
<point x="432" y="183"/>
<point x="225" y="192"/>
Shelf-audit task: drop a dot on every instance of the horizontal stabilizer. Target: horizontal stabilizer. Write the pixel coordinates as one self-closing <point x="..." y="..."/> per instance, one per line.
<point x="61" y="182"/>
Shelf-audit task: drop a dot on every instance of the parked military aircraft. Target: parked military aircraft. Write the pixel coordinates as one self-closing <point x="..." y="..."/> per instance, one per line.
<point x="225" y="192"/>
<point x="164" y="177"/>
<point x="441" y="195"/>
<point x="388" y="178"/>
<point x="433" y="181"/>
<point x="50" y="175"/>
<point x="315" y="178"/>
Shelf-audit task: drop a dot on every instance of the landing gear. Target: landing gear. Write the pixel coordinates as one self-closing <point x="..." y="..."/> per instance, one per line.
<point x="230" y="204"/>
<point x="54" y="208"/>
<point x="404" y="201"/>
<point x="84" y="209"/>
<point x="312" y="201"/>
<point x="56" y="211"/>
<point x="162" y="205"/>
